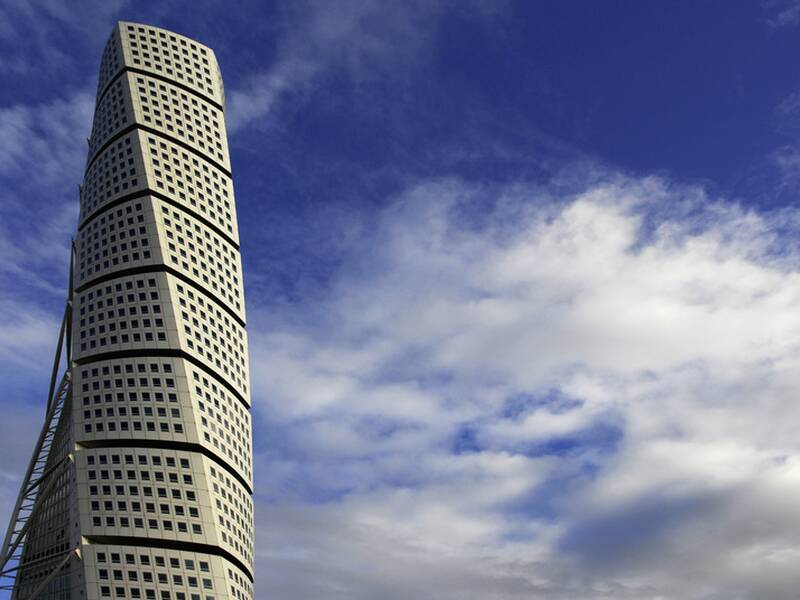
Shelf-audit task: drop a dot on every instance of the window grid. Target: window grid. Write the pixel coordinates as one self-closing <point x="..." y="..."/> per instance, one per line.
<point x="129" y="312"/>
<point x="209" y="333"/>
<point x="120" y="238"/>
<point x="139" y="572"/>
<point x="172" y="56"/>
<point x="113" y="113"/>
<point x="179" y="114"/>
<point x="194" y="183"/>
<point x="202" y="255"/>
<point x="117" y="171"/>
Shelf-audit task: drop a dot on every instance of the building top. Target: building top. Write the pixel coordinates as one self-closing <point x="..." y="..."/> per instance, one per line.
<point x="161" y="53"/>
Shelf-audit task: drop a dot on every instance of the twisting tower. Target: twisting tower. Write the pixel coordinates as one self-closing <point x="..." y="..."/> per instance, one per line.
<point x="140" y="485"/>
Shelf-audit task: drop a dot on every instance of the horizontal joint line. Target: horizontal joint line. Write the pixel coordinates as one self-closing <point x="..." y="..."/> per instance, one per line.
<point x="162" y="352"/>
<point x="174" y="140"/>
<point x="170" y="445"/>
<point x="161" y="268"/>
<point x="165" y="198"/>
<point x="170" y="545"/>
<point x="183" y="86"/>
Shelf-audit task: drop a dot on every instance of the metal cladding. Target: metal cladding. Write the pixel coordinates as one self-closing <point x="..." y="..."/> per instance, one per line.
<point x="141" y="483"/>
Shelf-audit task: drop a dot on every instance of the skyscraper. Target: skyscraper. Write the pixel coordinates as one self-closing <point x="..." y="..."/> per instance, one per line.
<point x="140" y="485"/>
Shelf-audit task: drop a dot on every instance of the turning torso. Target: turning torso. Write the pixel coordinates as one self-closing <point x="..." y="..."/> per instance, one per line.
<point x="141" y="482"/>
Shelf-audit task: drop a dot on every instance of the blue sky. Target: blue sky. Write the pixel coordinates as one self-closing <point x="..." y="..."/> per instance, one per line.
<point x="521" y="278"/>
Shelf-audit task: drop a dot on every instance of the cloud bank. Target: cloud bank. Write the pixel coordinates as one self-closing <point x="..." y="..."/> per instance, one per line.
<point x="518" y="393"/>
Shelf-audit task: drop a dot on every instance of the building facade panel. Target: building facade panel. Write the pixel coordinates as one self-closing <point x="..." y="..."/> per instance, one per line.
<point x="202" y="256"/>
<point x="121" y="238"/>
<point x="177" y="114"/>
<point x="117" y="172"/>
<point x="111" y="63"/>
<point x="137" y="398"/>
<point x="138" y="162"/>
<point x="162" y="496"/>
<point x="185" y="180"/>
<point x="174" y="57"/>
<point x="146" y="573"/>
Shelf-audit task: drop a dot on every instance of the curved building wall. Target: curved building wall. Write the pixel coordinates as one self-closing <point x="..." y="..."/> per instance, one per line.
<point x="161" y="392"/>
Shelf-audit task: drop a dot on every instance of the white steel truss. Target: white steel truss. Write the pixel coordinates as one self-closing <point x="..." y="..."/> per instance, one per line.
<point x="29" y="561"/>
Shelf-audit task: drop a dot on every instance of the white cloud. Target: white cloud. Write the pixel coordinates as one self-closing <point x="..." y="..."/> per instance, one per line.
<point x="585" y="397"/>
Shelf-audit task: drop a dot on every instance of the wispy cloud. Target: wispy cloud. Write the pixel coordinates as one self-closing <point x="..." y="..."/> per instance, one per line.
<point x="362" y="37"/>
<point x="42" y="152"/>
<point x="787" y="160"/>
<point x="46" y="139"/>
<point x="782" y="13"/>
<point x="51" y="32"/>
